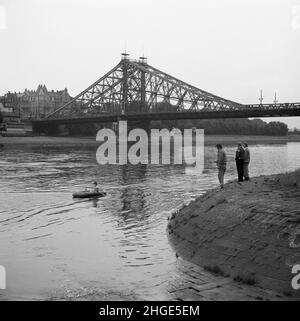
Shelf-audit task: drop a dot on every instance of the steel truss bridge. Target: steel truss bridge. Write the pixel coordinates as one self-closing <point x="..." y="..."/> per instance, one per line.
<point x="136" y="91"/>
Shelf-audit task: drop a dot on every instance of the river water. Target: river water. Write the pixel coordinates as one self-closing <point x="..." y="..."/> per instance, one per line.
<point x="116" y="247"/>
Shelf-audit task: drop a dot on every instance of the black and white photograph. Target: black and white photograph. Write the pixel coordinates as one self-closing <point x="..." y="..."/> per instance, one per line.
<point x="149" y="151"/>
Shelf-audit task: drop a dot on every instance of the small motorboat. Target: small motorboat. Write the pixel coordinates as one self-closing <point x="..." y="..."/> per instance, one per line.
<point x="88" y="194"/>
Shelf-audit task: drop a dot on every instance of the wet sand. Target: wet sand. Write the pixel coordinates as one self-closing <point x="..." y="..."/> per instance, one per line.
<point x="248" y="232"/>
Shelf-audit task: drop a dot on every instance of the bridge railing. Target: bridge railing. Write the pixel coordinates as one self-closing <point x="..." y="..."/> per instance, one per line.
<point x="274" y="106"/>
<point x="245" y="108"/>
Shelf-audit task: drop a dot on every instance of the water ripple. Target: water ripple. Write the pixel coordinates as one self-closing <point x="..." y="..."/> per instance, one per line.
<point x="117" y="243"/>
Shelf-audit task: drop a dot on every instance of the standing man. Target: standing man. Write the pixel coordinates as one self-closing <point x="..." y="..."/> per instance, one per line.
<point x="246" y="162"/>
<point x="221" y="164"/>
<point x="239" y="159"/>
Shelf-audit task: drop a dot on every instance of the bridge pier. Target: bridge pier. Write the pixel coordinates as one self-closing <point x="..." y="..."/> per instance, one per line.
<point x="46" y="129"/>
<point x="134" y="124"/>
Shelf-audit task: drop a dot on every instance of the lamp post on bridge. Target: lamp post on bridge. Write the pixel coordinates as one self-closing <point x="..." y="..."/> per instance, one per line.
<point x="275" y="99"/>
<point x="143" y="60"/>
<point x="124" y="83"/>
<point x="261" y="97"/>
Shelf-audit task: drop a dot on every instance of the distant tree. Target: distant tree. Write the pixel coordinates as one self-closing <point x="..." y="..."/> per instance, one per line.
<point x="136" y="107"/>
<point x="241" y="126"/>
<point x="1" y="118"/>
<point x="164" y="106"/>
<point x="277" y="128"/>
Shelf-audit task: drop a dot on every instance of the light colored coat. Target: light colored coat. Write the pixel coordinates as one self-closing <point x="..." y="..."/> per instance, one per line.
<point x="222" y="158"/>
<point x="246" y="155"/>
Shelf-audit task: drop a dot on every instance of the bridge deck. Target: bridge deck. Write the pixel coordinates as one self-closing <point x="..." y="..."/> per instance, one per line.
<point x="248" y="111"/>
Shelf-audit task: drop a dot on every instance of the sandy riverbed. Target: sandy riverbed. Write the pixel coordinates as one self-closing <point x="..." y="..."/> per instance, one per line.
<point x="248" y="231"/>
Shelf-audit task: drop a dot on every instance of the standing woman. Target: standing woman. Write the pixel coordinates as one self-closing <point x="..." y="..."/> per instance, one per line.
<point x="239" y="159"/>
<point x="221" y="164"/>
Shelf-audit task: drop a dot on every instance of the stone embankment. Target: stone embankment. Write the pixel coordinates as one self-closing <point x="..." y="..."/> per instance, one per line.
<point x="248" y="231"/>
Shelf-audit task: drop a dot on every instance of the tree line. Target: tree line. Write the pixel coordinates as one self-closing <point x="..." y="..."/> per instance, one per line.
<point x="240" y="126"/>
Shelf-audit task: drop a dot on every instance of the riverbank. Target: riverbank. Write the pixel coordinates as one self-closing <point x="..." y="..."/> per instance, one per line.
<point x="248" y="231"/>
<point x="28" y="141"/>
<point x="250" y="139"/>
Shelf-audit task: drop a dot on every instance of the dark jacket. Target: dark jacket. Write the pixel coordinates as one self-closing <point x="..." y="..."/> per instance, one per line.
<point x="239" y="154"/>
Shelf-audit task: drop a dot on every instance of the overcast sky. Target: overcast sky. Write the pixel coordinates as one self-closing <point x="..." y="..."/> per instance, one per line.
<point x="232" y="48"/>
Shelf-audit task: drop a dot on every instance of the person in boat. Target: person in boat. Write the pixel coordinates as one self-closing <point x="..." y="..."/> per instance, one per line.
<point x="239" y="159"/>
<point x="96" y="188"/>
<point x="221" y="164"/>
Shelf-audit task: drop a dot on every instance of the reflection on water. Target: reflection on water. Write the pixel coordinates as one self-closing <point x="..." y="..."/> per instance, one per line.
<point x="115" y="247"/>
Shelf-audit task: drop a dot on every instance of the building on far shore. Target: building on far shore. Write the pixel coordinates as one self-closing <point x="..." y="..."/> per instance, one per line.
<point x="32" y="104"/>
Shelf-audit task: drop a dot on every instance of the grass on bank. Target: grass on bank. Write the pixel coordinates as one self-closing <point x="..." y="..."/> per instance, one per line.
<point x="291" y="178"/>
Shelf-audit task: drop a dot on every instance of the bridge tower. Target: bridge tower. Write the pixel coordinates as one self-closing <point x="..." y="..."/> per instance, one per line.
<point x="124" y="67"/>
<point x="143" y="60"/>
<point x="133" y="86"/>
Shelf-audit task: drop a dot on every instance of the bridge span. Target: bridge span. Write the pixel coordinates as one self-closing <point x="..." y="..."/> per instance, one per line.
<point x="137" y="92"/>
<point x="249" y="111"/>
